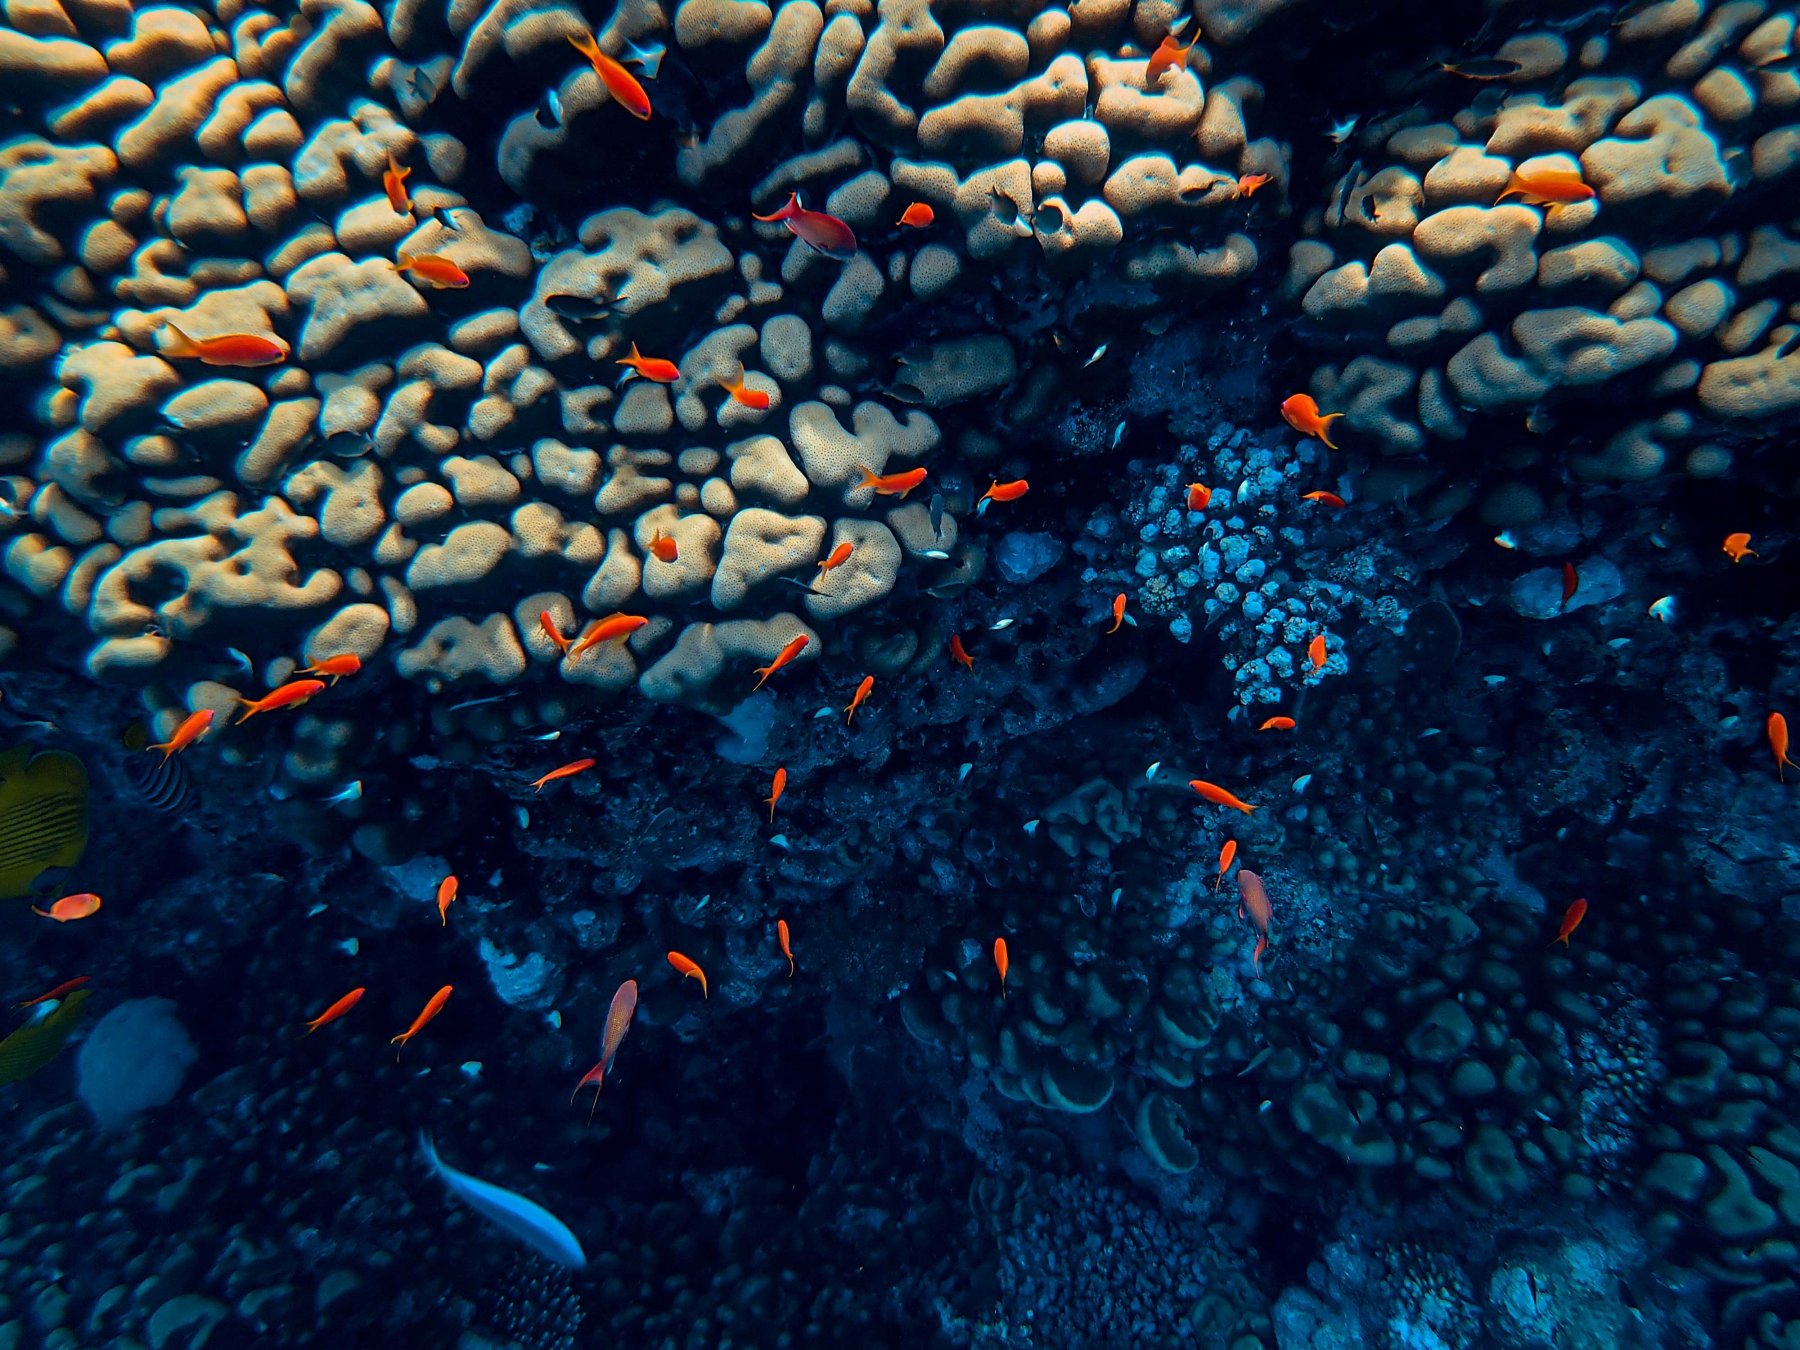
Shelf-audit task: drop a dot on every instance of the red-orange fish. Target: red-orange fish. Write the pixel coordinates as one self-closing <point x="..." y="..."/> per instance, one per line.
<point x="393" y="182"/>
<point x="960" y="655"/>
<point x="1118" y="613"/>
<point x="568" y="770"/>
<point x="620" y="83"/>
<point x="688" y="968"/>
<point x="1737" y="546"/>
<point x="71" y="907"/>
<point x="446" y="893"/>
<point x="1253" y="901"/>
<point x="795" y="646"/>
<point x="552" y="632"/>
<point x="1778" y="742"/>
<point x="1248" y="183"/>
<point x="775" y="791"/>
<point x="824" y="233"/>
<point x="228" y="349"/>
<point x="839" y="556"/>
<point x="1323" y="498"/>
<point x="1277" y="724"/>
<point x="1546" y="187"/>
<point x="431" y="1009"/>
<point x="347" y="663"/>
<point x="433" y="268"/>
<point x="890" y="484"/>
<point x="1315" y="652"/>
<point x="1301" y="412"/>
<point x="1571" y="920"/>
<point x="918" y="216"/>
<point x="1226" y="854"/>
<point x="336" y="1010"/>
<point x="1169" y="55"/>
<point x="57" y="992"/>
<point x="659" y="369"/>
<point x="1199" y="496"/>
<point x="1219" y="796"/>
<point x="192" y="728"/>
<point x="740" y="392"/>
<point x="664" y="548"/>
<point x="859" y="697"/>
<point x="787" y="947"/>
<point x="1004" y="492"/>
<point x="1001" y="962"/>
<point x="1571" y="583"/>
<point x="618" y="1022"/>
<point x="289" y="695"/>
<point x="613" y="628"/>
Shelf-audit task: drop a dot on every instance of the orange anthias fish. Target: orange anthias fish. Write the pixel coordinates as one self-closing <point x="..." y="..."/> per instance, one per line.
<point x="826" y="234"/>
<point x="859" y="697"/>
<point x="1323" y="498"/>
<point x="1226" y="854"/>
<point x="618" y="1022"/>
<point x="1001" y="962"/>
<point x="1219" y="796"/>
<point x="393" y="182"/>
<point x="71" y="907"/>
<point x="336" y="1010"/>
<point x="552" y="632"/>
<point x="960" y="655"/>
<point x="1199" y="496"/>
<point x="228" y="349"/>
<point x="658" y="369"/>
<point x="918" y="216"/>
<point x="1571" y="920"/>
<point x="1253" y="901"/>
<point x="839" y="556"/>
<point x="289" y="695"/>
<point x="429" y="1011"/>
<point x="434" y="268"/>
<point x="1315" y="652"/>
<point x="1547" y="187"/>
<point x="192" y="728"/>
<point x="1169" y="55"/>
<point x="1737" y="545"/>
<point x="1301" y="412"/>
<point x="1778" y="742"/>
<point x="689" y="967"/>
<point x="613" y="628"/>
<point x="890" y="484"/>
<point x="620" y="83"/>
<point x="1277" y="724"/>
<point x="755" y="399"/>
<point x="1118" y="613"/>
<point x="568" y="770"/>
<point x="663" y="548"/>
<point x="55" y="993"/>
<point x="1248" y="183"/>
<point x="795" y="646"/>
<point x="335" y="666"/>
<point x="446" y="893"/>
<point x="776" y="789"/>
<point x="787" y="947"/>
<point x="1003" y="492"/>
<point x="1571" y="583"/>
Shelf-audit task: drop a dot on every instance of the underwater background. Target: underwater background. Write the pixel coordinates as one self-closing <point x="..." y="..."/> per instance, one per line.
<point x="898" y="672"/>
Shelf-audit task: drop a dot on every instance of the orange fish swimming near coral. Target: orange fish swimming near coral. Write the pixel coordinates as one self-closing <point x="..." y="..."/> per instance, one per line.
<point x="823" y="233"/>
<point x="1218" y="796"/>
<point x="960" y="654"/>
<point x="393" y="182"/>
<point x="838" y="557"/>
<point x="71" y="907"/>
<point x="1199" y="496"/>
<point x="65" y="987"/>
<point x="755" y="399"/>
<point x="434" y="268"/>
<point x="917" y="216"/>
<point x="1315" y="652"/>
<point x="228" y="349"/>
<point x="1301" y="412"/>
<point x="432" y="1008"/>
<point x="787" y="945"/>
<point x="778" y="787"/>
<point x="1001" y="962"/>
<point x="1226" y="854"/>
<point x="551" y="631"/>
<point x="1547" y="187"/>
<point x="1002" y="492"/>
<point x="568" y="770"/>
<point x="860" y="697"/>
<point x="618" y="1022"/>
<point x="1118" y="613"/>
<point x="658" y="369"/>
<point x="1248" y="183"/>
<point x="192" y="728"/>
<point x="621" y="85"/>
<point x="1323" y="498"/>
<point x="1571" y="920"/>
<point x="795" y="645"/>
<point x="336" y="1010"/>
<point x="337" y="667"/>
<point x="1277" y="724"/>
<point x="1778" y="742"/>
<point x="1253" y="902"/>
<point x="290" y="695"/>
<point x="1571" y="582"/>
<point x="663" y="548"/>
<point x="890" y="484"/>
<point x="1169" y="55"/>
<point x="1737" y="548"/>
<point x="613" y="628"/>
<point x="446" y="895"/>
<point x="690" y="968"/>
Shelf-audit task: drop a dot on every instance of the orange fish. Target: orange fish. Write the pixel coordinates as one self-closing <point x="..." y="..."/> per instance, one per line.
<point x="229" y="349"/>
<point x="568" y="770"/>
<point x="1571" y="583"/>
<point x="742" y="393"/>
<point x="1570" y="922"/>
<point x="1003" y="492"/>
<point x="960" y="655"/>
<point x="918" y="216"/>
<point x="890" y="484"/>
<point x="823" y="233"/>
<point x="1226" y="854"/>
<point x="1322" y="497"/>
<point x="620" y="83"/>
<point x="1778" y="742"/>
<point x="780" y="786"/>
<point x="1737" y="545"/>
<point x="687" y="968"/>
<point x="613" y="628"/>
<point x="1118" y="613"/>
<point x="1315" y="652"/>
<point x="1199" y="496"/>
<point x="659" y="369"/>
<point x="445" y="895"/>
<point x="795" y="646"/>
<point x="336" y="1010"/>
<point x="551" y="631"/>
<point x="665" y="548"/>
<point x="434" y="268"/>
<point x="1277" y="724"/>
<point x="859" y="697"/>
<point x="192" y="728"/>
<point x="1169" y="55"/>
<point x="839" y="556"/>
<point x="429" y="1011"/>
<point x="787" y="948"/>
<point x="57" y="992"/>
<point x="1001" y="961"/>
<point x="1219" y="796"/>
<point x="71" y="907"/>
<point x="1547" y="187"/>
<point x="1248" y="183"/>
<point x="393" y="182"/>
<point x="335" y="666"/>
<point x="1253" y="900"/>
<point x="1301" y="412"/>
<point x="618" y="1022"/>
<point x="291" y="694"/>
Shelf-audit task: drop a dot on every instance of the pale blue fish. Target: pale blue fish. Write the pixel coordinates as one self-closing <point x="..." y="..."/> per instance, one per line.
<point x="351" y="793"/>
<point x="509" y="1211"/>
<point x="647" y="57"/>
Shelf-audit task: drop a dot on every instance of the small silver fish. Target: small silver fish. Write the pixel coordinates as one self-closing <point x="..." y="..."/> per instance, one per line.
<point x="1117" y="892"/>
<point x="1119" y="434"/>
<point x="549" y="112"/>
<point x="471" y="1069"/>
<point x="479" y="702"/>
<point x="780" y="841"/>
<point x="1031" y="827"/>
<point x="963" y="772"/>
<point x="1493" y="681"/>
<point x="348" y="445"/>
<point x="1257" y="1063"/>
<point x="1301" y="782"/>
<point x="350" y="946"/>
<point x="1001" y="625"/>
<point x="1663" y="610"/>
<point x="798" y="585"/>
<point x="351" y="793"/>
<point x="936" y="555"/>
<point x="1341" y="130"/>
<point x="824" y="712"/>
<point x="240" y="660"/>
<point x="546" y="736"/>
<point x="1099" y="352"/>
<point x="313" y="911"/>
<point x="1505" y="540"/>
<point x="1151" y="772"/>
<point x="648" y="58"/>
<point x="523" y="816"/>
<point x="445" y="216"/>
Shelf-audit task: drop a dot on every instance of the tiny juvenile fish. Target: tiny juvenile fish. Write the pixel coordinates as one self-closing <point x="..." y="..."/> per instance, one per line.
<point x="821" y="232"/>
<point x="794" y="647"/>
<point x="1001" y="625"/>
<point x="690" y="968"/>
<point x="1301" y="412"/>
<point x="1099" y="352"/>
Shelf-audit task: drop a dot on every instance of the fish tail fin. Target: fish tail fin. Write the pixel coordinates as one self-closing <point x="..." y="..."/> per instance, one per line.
<point x="180" y="344"/>
<point x="250" y="710"/>
<point x="403" y="263"/>
<point x="584" y="43"/>
<point x="1325" y="429"/>
<point x="870" y="479"/>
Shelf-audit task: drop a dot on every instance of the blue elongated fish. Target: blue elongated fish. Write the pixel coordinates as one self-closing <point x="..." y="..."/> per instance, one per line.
<point x="509" y="1211"/>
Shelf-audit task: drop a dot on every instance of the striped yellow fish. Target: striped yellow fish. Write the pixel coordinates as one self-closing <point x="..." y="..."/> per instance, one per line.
<point x="34" y="1045"/>
<point x="43" y="816"/>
